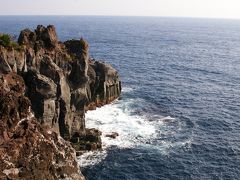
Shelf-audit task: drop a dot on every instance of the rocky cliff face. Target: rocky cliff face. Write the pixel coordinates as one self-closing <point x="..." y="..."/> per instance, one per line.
<point x="27" y="149"/>
<point x="61" y="82"/>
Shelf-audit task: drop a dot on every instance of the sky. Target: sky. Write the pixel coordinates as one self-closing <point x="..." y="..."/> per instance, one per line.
<point x="175" y="8"/>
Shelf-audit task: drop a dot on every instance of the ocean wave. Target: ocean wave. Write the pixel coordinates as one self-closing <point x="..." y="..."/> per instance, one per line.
<point x="91" y="158"/>
<point x="127" y="89"/>
<point x="119" y="117"/>
<point x="134" y="128"/>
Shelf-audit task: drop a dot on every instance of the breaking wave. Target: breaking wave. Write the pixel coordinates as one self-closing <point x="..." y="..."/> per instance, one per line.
<point x="135" y="129"/>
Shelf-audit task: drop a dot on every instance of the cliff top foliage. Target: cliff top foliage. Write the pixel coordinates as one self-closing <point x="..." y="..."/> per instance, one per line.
<point x="6" y="41"/>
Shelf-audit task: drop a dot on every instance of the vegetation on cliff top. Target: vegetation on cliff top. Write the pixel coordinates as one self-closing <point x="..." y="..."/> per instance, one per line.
<point x="6" y="41"/>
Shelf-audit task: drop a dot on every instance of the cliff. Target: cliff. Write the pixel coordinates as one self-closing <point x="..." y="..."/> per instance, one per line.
<point x="27" y="149"/>
<point x="61" y="83"/>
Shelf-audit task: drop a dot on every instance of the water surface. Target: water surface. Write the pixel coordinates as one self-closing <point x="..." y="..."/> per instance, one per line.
<point x="179" y="114"/>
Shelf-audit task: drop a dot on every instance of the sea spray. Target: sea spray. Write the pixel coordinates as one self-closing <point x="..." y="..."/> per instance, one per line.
<point x="135" y="129"/>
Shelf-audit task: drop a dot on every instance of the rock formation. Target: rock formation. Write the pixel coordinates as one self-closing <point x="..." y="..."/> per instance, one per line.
<point x="61" y="82"/>
<point x="27" y="149"/>
<point x="112" y="135"/>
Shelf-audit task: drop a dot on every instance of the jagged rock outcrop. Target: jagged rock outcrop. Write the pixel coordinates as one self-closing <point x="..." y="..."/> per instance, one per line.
<point x="106" y="86"/>
<point x="29" y="150"/>
<point x="46" y="86"/>
<point x="62" y="82"/>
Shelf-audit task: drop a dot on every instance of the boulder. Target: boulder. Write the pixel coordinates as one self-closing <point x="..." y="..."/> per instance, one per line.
<point x="89" y="141"/>
<point x="112" y="135"/>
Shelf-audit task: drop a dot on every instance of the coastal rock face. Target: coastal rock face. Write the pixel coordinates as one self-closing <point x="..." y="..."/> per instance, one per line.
<point x="29" y="150"/>
<point x="62" y="81"/>
<point x="106" y="86"/>
<point x="40" y="114"/>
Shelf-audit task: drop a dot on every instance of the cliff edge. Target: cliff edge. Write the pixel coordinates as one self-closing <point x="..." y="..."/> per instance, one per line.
<point x="46" y="87"/>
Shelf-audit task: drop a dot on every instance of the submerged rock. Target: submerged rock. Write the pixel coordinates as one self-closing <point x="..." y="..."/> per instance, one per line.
<point x="113" y="135"/>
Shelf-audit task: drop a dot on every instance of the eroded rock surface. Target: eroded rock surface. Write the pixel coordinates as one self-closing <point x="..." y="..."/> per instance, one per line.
<point x="62" y="82"/>
<point x="27" y="149"/>
<point x="46" y="86"/>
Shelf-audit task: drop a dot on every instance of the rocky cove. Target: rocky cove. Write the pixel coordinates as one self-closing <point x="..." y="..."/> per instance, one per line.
<point x="46" y="87"/>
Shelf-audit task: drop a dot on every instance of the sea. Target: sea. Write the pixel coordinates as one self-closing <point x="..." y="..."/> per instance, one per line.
<point x="178" y="116"/>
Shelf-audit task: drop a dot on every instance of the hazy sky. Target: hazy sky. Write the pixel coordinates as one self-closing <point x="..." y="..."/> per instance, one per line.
<point x="185" y="8"/>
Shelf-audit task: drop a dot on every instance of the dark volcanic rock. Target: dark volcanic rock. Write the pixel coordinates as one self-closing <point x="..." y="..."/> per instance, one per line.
<point x="62" y="82"/>
<point x="107" y="86"/>
<point x="78" y="48"/>
<point x="90" y="141"/>
<point x="42" y="91"/>
<point x="47" y="35"/>
<point x="27" y="149"/>
<point x="38" y="114"/>
<point x="43" y="36"/>
<point x="27" y="37"/>
<point x="113" y="135"/>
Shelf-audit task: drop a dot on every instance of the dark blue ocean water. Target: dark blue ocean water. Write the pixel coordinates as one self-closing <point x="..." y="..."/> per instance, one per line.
<point x="179" y="114"/>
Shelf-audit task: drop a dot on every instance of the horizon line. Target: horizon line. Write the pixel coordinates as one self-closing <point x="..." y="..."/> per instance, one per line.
<point x="102" y="15"/>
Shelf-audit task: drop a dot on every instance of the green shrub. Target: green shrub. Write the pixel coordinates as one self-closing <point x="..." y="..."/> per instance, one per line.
<point x="5" y="40"/>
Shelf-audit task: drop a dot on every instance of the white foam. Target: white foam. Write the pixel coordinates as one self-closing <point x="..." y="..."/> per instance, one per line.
<point x="116" y="117"/>
<point x="91" y="158"/>
<point x="134" y="129"/>
<point x="127" y="89"/>
<point x="164" y="147"/>
<point x="168" y="118"/>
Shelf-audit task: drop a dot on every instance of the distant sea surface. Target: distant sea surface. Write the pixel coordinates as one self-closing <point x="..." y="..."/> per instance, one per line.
<point x="179" y="113"/>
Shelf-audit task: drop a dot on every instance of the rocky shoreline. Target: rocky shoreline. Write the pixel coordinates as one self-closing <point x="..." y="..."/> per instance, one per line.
<point x="46" y="87"/>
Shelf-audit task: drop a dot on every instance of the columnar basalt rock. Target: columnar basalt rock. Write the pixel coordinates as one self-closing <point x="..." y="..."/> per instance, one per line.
<point x="62" y="82"/>
<point x="106" y="87"/>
